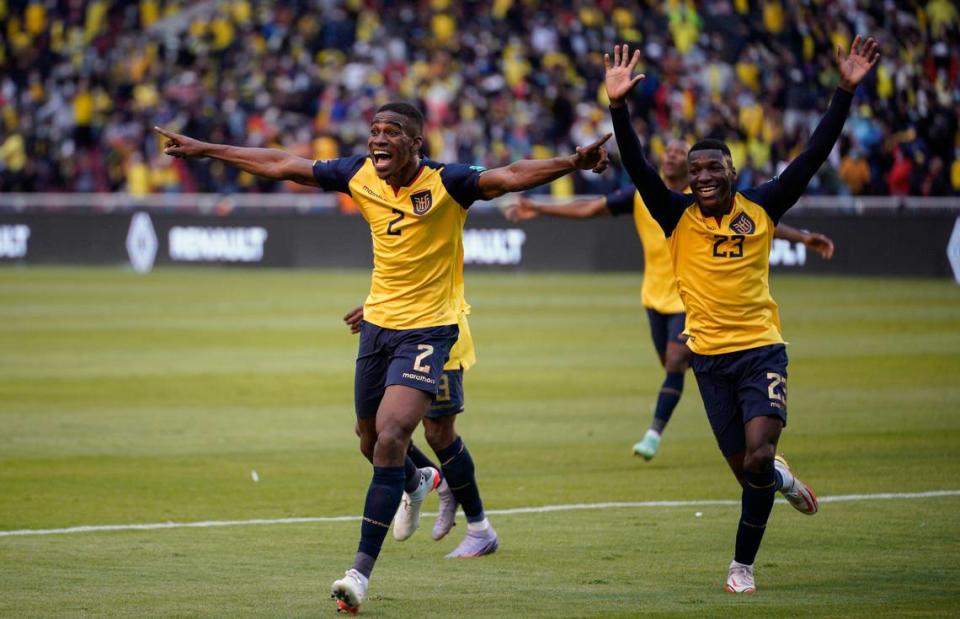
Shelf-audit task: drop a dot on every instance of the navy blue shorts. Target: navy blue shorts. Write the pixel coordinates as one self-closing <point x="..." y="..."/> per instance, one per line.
<point x="665" y="328"/>
<point x="449" y="400"/>
<point x="741" y="385"/>
<point x="411" y="357"/>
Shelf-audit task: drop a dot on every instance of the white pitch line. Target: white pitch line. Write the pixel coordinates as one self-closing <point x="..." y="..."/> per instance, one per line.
<point x="841" y="498"/>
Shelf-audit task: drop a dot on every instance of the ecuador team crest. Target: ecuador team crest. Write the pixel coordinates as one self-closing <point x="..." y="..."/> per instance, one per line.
<point x="743" y="224"/>
<point x="422" y="201"/>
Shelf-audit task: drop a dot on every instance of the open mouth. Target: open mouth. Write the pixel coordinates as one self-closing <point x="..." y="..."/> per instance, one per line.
<point x="381" y="158"/>
<point x="708" y="191"/>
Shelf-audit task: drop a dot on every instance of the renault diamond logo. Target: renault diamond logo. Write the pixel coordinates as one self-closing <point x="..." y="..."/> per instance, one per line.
<point x="141" y="243"/>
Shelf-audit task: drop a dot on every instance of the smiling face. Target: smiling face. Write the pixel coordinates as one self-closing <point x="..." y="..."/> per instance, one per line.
<point x="712" y="177"/>
<point x="394" y="146"/>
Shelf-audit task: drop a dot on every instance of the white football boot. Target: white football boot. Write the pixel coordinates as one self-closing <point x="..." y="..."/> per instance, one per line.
<point x="740" y="578"/>
<point x="407" y="519"/>
<point x="795" y="491"/>
<point x="349" y="591"/>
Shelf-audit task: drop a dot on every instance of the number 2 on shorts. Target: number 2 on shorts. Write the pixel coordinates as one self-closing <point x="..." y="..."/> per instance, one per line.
<point x="775" y="381"/>
<point x="425" y="351"/>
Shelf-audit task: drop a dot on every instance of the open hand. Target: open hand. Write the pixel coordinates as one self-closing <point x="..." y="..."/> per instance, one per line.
<point x="353" y="319"/>
<point x="819" y="243"/>
<point x="619" y="75"/>
<point x="593" y="157"/>
<point x="523" y="210"/>
<point x="856" y="65"/>
<point x="180" y="145"/>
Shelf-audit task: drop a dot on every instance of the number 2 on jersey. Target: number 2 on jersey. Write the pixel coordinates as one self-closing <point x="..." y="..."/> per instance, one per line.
<point x="399" y="218"/>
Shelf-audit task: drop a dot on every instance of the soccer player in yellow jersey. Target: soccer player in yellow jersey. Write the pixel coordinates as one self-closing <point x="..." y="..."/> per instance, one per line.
<point x="659" y="292"/>
<point x="416" y="210"/>
<point x="459" y="485"/>
<point x="720" y="241"/>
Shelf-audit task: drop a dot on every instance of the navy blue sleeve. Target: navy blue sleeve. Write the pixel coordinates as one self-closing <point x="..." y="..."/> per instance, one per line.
<point x="462" y="182"/>
<point x="335" y="174"/>
<point x="778" y="194"/>
<point x="620" y="202"/>
<point x="664" y="205"/>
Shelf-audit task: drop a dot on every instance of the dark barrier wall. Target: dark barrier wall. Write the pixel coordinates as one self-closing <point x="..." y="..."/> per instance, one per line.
<point x="887" y="243"/>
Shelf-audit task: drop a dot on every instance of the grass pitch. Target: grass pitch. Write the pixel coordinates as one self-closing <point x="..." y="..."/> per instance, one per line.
<point x="128" y="399"/>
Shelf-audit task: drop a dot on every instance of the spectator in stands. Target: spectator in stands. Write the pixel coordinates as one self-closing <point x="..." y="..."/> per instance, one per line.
<point x="898" y="178"/>
<point x="855" y="172"/>
<point x="81" y="80"/>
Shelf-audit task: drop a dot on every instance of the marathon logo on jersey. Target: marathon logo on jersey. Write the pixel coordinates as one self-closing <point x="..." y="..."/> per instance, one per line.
<point x="422" y="201"/>
<point x="743" y="224"/>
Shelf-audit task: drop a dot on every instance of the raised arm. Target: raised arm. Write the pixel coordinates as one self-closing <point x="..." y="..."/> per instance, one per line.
<point x="779" y="194"/>
<point x="586" y="208"/>
<point x="664" y="205"/>
<point x="267" y="162"/>
<point x="820" y="243"/>
<point x="529" y="173"/>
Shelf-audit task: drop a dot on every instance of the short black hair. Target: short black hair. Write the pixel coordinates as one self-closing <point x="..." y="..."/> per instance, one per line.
<point x="711" y="144"/>
<point x="408" y="111"/>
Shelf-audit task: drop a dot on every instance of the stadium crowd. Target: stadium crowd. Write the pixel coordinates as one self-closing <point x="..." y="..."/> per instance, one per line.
<point x="82" y="82"/>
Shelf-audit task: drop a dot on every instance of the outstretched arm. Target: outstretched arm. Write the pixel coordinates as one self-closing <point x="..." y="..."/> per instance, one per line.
<point x="664" y="205"/>
<point x="586" y="208"/>
<point x="529" y="173"/>
<point x="267" y="162"/>
<point x="781" y="193"/>
<point x="820" y="243"/>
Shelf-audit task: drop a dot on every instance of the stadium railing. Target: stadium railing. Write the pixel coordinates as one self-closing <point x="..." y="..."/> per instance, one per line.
<point x="211" y="203"/>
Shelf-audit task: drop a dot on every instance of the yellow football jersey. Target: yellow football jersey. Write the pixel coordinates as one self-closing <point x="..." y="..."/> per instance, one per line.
<point x="722" y="272"/>
<point x="659" y="290"/>
<point x="463" y="354"/>
<point x="723" y="266"/>
<point x="417" y="234"/>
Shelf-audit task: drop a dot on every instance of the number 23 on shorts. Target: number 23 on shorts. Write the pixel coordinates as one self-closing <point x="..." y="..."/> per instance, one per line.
<point x="777" y="397"/>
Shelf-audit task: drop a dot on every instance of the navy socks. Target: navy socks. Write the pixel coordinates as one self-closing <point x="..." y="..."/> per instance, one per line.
<point x="411" y="475"/>
<point x="419" y="458"/>
<point x="759" y="490"/>
<point x="670" y="393"/>
<point x="459" y="472"/>
<point x="383" y="499"/>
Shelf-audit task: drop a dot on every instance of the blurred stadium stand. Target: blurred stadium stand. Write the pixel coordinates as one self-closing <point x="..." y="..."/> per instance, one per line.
<point x="81" y="83"/>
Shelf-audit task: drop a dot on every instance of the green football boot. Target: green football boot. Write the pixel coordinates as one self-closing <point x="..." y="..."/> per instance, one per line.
<point x="648" y="446"/>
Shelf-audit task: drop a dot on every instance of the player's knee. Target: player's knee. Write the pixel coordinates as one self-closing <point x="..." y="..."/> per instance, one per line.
<point x="368" y="439"/>
<point x="677" y="359"/>
<point x="440" y="433"/>
<point x="392" y="440"/>
<point x="366" y="448"/>
<point x="676" y="365"/>
<point x="759" y="459"/>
